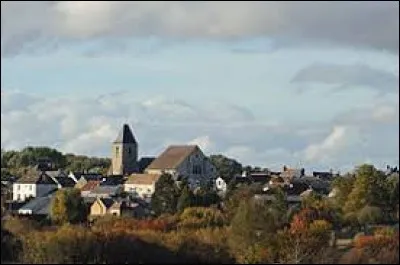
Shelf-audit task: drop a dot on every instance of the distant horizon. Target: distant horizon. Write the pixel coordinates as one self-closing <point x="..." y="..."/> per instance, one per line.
<point x="311" y="84"/>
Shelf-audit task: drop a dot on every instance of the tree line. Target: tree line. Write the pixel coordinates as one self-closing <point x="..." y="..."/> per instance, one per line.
<point x="17" y="162"/>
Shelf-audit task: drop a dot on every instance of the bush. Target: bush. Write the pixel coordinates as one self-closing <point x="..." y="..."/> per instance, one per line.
<point x="200" y="217"/>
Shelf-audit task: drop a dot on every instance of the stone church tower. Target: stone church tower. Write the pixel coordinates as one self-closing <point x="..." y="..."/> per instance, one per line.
<point x="124" y="153"/>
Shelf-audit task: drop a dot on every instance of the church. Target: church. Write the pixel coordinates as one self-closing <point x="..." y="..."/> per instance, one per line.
<point x="181" y="161"/>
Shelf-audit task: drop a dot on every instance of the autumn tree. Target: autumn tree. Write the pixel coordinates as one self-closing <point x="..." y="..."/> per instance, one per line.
<point x="305" y="240"/>
<point x="165" y="196"/>
<point x="67" y="206"/>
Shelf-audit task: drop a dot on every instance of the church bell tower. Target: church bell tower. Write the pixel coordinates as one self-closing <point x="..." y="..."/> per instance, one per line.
<point x="124" y="152"/>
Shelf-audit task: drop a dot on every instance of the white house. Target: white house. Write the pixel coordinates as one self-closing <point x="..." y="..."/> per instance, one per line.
<point x="186" y="161"/>
<point x="34" y="184"/>
<point x="141" y="185"/>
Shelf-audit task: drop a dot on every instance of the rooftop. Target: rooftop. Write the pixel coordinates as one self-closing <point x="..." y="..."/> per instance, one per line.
<point x="142" y="179"/>
<point x="172" y="157"/>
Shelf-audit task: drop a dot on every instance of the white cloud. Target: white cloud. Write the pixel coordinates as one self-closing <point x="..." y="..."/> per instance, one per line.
<point x="365" y="24"/>
<point x="331" y="145"/>
<point x="88" y="126"/>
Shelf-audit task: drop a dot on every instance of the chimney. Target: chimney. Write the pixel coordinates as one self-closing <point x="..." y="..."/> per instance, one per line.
<point x="284" y="168"/>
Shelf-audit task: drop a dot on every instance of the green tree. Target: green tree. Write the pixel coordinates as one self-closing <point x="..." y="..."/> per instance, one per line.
<point x="231" y="203"/>
<point x="186" y="199"/>
<point x="165" y="196"/>
<point x="342" y="187"/>
<point x="369" y="189"/>
<point x="254" y="222"/>
<point x="369" y="215"/>
<point x="226" y="167"/>
<point x="67" y="206"/>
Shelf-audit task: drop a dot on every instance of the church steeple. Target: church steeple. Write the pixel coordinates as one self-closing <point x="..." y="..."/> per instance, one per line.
<point x="125" y="136"/>
<point x="124" y="152"/>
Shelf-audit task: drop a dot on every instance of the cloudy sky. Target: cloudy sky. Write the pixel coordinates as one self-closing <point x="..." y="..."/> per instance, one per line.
<point x="311" y="84"/>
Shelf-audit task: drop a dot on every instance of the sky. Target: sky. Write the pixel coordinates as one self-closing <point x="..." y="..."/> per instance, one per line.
<point x="303" y="84"/>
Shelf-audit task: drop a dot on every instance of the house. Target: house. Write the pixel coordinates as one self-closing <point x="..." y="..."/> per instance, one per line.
<point x="141" y="185"/>
<point x="289" y="174"/>
<point x="104" y="191"/>
<point x="323" y="175"/>
<point x="114" y="180"/>
<point x="109" y="206"/>
<point x="56" y="173"/>
<point x="187" y="161"/>
<point x="89" y="186"/>
<point x="103" y="206"/>
<point x="35" y="183"/>
<point x="294" y="192"/>
<point x="84" y="178"/>
<point x="260" y="177"/>
<point x="65" y="182"/>
<point x="39" y="206"/>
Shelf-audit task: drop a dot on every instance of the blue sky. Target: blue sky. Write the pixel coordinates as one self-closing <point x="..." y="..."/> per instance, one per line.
<point x="266" y="91"/>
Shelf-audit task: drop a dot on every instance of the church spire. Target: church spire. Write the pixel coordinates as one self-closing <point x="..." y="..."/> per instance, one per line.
<point x="125" y="136"/>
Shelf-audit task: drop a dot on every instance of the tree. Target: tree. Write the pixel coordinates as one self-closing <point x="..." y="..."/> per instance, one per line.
<point x="186" y="199"/>
<point x="232" y="202"/>
<point x="67" y="206"/>
<point x="226" y="167"/>
<point x="369" y="215"/>
<point x="342" y="186"/>
<point x="306" y="239"/>
<point x="165" y="196"/>
<point x="369" y="189"/>
<point x="201" y="217"/>
<point x="253" y="223"/>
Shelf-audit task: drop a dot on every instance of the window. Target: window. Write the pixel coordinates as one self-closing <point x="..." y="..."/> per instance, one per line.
<point x="30" y="187"/>
<point x="116" y="151"/>
<point x="18" y="187"/>
<point x="196" y="170"/>
<point x="129" y="150"/>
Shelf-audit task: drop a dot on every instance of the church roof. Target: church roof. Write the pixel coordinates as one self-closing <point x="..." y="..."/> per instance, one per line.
<point x="125" y="136"/>
<point x="172" y="157"/>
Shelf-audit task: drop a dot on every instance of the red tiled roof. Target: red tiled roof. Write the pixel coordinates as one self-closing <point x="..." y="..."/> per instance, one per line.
<point x="90" y="185"/>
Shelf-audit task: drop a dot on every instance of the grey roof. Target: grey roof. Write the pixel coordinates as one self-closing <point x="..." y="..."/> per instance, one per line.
<point x="144" y="162"/>
<point x="39" y="205"/>
<point x="65" y="181"/>
<point x="56" y="173"/>
<point x="108" y="202"/>
<point x="106" y="189"/>
<point x="125" y="136"/>
<point x="89" y="176"/>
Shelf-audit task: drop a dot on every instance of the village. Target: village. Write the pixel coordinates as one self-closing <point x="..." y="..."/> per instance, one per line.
<point x="130" y="184"/>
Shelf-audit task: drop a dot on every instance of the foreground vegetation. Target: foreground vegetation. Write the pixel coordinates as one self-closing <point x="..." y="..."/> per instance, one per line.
<point x="199" y="227"/>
